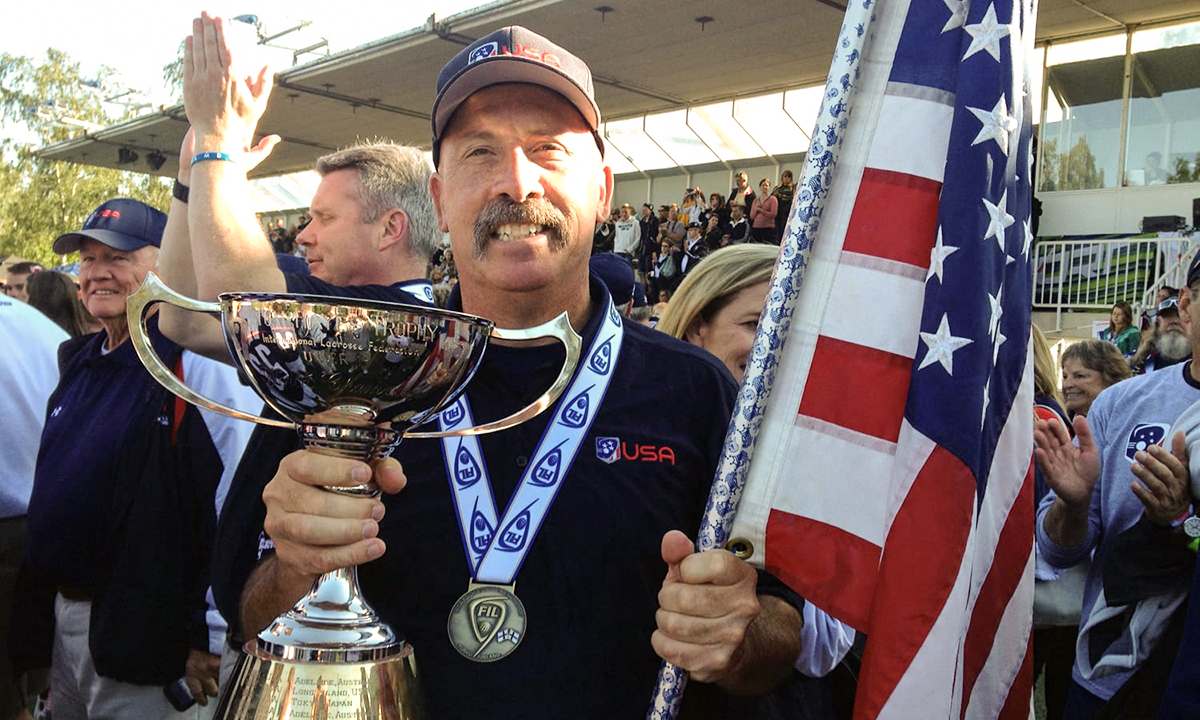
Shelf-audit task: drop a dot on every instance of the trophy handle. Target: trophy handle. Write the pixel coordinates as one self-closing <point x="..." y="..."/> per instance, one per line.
<point x="560" y="329"/>
<point x="153" y="291"/>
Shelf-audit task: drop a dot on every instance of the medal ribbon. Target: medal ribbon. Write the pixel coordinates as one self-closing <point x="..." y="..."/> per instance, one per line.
<point x="496" y="549"/>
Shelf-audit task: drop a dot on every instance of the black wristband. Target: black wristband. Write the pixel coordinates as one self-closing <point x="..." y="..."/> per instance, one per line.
<point x="180" y="191"/>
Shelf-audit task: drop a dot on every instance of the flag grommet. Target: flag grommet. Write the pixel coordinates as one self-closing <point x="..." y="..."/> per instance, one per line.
<point x="740" y="547"/>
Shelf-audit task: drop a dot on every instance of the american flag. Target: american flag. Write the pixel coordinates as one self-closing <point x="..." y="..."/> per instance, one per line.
<point x="891" y="480"/>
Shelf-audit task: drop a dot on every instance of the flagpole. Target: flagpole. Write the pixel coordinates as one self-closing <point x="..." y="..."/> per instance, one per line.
<point x="775" y="322"/>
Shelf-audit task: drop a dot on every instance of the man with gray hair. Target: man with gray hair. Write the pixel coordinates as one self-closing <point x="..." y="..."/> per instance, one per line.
<point x="372" y="234"/>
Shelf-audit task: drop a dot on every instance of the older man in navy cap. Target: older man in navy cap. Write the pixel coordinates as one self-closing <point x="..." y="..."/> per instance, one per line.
<point x="607" y="581"/>
<point x="123" y="501"/>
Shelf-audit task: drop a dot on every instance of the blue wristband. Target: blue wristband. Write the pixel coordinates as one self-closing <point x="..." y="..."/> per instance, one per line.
<point x="200" y="157"/>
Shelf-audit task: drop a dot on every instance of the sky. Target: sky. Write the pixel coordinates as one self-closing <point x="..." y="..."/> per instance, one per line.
<point x="138" y="39"/>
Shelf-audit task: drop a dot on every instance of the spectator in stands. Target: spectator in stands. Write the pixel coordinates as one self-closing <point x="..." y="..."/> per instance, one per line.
<point x="628" y="235"/>
<point x="692" y="205"/>
<point x="784" y="193"/>
<point x="739" y="227"/>
<point x="1077" y="518"/>
<point x="717" y="208"/>
<point x="693" y="248"/>
<point x="57" y="296"/>
<point x="1165" y="343"/>
<point x="17" y="276"/>
<point x="717" y="307"/>
<point x="665" y="275"/>
<point x="660" y="306"/>
<point x="714" y="232"/>
<point x="1148" y="314"/>
<point x="741" y="195"/>
<point x="1088" y="367"/>
<point x="1121" y="331"/>
<point x="648" y="244"/>
<point x="762" y="214"/>
<point x="673" y="229"/>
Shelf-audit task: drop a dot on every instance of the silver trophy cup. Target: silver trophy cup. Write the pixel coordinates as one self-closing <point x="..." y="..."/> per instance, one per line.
<point x="354" y="377"/>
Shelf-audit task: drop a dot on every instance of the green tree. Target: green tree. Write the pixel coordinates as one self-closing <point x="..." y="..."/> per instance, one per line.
<point x="1074" y="170"/>
<point x="43" y="101"/>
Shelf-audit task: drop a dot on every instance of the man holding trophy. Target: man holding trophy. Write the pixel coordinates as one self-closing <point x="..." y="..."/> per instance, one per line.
<point x="555" y="607"/>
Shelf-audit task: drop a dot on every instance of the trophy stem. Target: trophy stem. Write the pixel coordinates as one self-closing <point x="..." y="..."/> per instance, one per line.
<point x="332" y="623"/>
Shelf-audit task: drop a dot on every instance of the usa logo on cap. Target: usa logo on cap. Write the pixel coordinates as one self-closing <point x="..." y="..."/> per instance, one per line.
<point x="483" y="52"/>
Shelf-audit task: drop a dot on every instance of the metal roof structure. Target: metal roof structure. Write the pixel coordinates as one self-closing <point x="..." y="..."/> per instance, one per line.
<point x="648" y="56"/>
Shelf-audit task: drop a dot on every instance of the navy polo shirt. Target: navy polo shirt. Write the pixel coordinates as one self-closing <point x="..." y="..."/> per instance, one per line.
<point x="82" y="450"/>
<point x="591" y="579"/>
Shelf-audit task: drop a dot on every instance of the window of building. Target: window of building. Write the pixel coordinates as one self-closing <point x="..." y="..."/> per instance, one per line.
<point x="1163" y="144"/>
<point x="1081" y="131"/>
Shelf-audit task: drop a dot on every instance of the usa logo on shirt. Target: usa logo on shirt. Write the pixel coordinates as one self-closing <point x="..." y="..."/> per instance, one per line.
<point x="483" y="52"/>
<point x="1144" y="435"/>
<point x="607" y="449"/>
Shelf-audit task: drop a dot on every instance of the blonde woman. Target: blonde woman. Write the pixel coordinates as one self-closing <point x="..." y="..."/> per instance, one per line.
<point x="717" y="305"/>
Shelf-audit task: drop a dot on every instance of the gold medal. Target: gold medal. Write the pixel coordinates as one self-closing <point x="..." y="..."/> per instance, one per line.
<point x="487" y="623"/>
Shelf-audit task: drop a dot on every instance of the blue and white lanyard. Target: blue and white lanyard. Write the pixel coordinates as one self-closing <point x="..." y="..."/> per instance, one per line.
<point x="496" y="557"/>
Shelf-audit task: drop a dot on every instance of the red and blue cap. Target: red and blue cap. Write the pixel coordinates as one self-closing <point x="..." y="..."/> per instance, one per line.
<point x="121" y="224"/>
<point x="513" y="55"/>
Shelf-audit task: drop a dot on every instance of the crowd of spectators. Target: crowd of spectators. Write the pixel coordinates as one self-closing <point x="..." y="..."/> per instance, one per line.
<point x="665" y="244"/>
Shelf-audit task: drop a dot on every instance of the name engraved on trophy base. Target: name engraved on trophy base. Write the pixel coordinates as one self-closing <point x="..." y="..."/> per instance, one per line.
<point x="267" y="687"/>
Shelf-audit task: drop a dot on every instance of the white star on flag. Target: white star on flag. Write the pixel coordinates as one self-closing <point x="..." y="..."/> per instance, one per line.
<point x="1028" y="239"/>
<point x="1000" y="219"/>
<point x="958" y="14"/>
<point x="986" y="35"/>
<point x="997" y="312"/>
<point x="986" y="400"/>
<point x="998" y="125"/>
<point x="942" y="346"/>
<point x="937" y="257"/>
<point x="1000" y="338"/>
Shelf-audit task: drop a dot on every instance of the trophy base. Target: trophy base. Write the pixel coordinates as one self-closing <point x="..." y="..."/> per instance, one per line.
<point x="265" y="686"/>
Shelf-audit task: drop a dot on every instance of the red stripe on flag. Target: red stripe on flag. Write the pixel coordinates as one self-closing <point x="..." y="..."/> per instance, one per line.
<point x="1007" y="570"/>
<point x="1016" y="705"/>
<point x="894" y="217"/>
<point x="921" y="560"/>
<point x="840" y="370"/>
<point x="835" y="570"/>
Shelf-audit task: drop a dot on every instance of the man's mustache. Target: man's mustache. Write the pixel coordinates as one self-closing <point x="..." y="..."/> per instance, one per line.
<point x="535" y="211"/>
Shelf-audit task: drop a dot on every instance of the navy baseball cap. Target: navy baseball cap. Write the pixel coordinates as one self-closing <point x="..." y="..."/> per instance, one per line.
<point x="639" y="295"/>
<point x="1194" y="270"/>
<point x="616" y="273"/>
<point x="513" y="55"/>
<point x="121" y="224"/>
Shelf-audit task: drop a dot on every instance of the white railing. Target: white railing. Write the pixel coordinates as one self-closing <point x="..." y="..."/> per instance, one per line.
<point x="1092" y="275"/>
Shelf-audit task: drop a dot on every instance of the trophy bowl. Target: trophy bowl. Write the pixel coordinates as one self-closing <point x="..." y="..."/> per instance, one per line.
<point x="338" y="368"/>
<point x="354" y="377"/>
